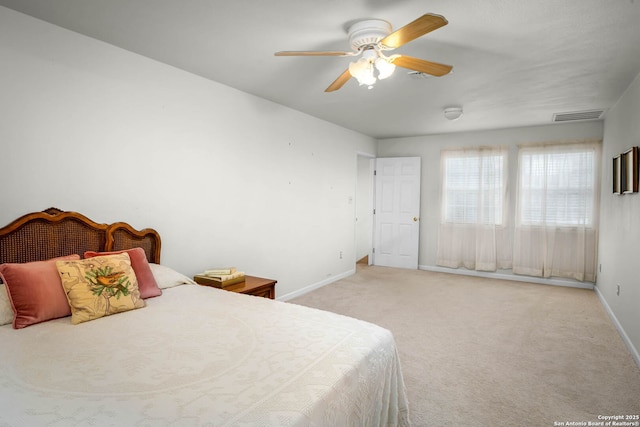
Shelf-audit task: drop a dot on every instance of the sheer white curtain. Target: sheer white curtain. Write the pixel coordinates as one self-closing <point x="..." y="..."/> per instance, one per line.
<point x="556" y="229"/>
<point x="473" y="230"/>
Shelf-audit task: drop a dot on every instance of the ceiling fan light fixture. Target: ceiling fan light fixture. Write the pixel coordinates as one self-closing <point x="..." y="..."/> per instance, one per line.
<point x="362" y="70"/>
<point x="384" y="67"/>
<point x="453" y="113"/>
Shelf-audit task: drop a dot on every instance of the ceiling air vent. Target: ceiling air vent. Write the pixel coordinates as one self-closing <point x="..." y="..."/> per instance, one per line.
<point x="578" y="115"/>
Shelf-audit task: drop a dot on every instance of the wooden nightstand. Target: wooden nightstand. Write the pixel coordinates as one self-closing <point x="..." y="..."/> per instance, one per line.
<point x="257" y="286"/>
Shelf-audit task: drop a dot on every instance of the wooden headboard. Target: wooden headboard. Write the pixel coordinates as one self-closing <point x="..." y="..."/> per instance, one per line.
<point x="52" y="233"/>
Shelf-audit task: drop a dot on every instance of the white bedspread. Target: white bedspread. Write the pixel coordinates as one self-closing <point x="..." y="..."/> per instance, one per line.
<point x="199" y="356"/>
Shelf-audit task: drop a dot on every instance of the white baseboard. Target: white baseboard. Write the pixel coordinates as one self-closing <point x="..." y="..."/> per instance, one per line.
<point x="510" y="276"/>
<point x="315" y="286"/>
<point x="623" y="334"/>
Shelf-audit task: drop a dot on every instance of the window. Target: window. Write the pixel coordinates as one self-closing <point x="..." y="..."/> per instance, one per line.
<point x="473" y="232"/>
<point x="557" y="186"/>
<point x="473" y="186"/>
<point x="556" y="231"/>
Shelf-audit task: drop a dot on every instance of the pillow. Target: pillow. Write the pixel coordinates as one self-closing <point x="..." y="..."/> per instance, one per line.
<point x="146" y="282"/>
<point x="99" y="286"/>
<point x="35" y="291"/>
<point x="6" y="312"/>
<point x="168" y="278"/>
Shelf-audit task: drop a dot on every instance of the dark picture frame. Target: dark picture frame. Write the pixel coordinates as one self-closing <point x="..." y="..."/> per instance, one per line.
<point x="629" y="171"/>
<point x="616" y="174"/>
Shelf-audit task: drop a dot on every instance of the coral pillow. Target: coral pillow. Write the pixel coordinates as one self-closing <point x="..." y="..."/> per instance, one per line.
<point x="99" y="286"/>
<point x="146" y="282"/>
<point x="35" y="291"/>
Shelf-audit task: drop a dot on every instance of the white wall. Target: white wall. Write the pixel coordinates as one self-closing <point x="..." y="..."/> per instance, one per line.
<point x="225" y="177"/>
<point x="619" y="249"/>
<point x="429" y="147"/>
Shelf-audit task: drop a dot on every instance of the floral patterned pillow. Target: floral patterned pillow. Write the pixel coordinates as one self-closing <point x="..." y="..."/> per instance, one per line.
<point x="6" y="312"/>
<point x="99" y="286"/>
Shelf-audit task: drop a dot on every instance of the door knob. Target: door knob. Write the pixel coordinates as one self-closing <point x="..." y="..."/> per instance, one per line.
<point x="415" y="219"/>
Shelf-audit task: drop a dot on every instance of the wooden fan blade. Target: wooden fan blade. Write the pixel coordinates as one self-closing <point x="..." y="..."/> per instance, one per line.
<point x="421" y="26"/>
<point x="427" y="67"/>
<point x="312" y="53"/>
<point x="339" y="82"/>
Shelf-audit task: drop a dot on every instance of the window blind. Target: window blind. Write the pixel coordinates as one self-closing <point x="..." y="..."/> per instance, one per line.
<point x="557" y="188"/>
<point x="473" y="188"/>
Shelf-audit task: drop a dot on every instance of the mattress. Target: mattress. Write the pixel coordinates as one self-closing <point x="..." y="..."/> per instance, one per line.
<point x="199" y="356"/>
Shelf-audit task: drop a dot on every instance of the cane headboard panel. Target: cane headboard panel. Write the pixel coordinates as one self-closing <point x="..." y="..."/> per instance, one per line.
<point x="52" y="233"/>
<point x="121" y="235"/>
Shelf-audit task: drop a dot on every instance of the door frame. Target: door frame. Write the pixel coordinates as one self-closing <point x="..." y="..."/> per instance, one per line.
<point x="368" y="183"/>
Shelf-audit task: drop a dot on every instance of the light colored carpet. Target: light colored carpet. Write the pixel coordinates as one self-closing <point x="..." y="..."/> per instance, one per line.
<point x="482" y="352"/>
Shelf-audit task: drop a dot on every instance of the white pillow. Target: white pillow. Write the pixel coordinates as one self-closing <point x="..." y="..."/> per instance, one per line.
<point x="165" y="277"/>
<point x="6" y="311"/>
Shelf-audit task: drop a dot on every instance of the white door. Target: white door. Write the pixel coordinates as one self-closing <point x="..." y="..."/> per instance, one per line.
<point x="397" y="212"/>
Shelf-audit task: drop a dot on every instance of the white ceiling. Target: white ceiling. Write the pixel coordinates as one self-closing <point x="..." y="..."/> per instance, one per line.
<point x="516" y="62"/>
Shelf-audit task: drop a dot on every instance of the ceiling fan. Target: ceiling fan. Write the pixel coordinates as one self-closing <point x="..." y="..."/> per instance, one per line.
<point x="370" y="39"/>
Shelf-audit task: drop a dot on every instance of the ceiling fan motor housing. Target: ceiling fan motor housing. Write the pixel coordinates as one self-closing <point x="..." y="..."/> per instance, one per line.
<point x="368" y="33"/>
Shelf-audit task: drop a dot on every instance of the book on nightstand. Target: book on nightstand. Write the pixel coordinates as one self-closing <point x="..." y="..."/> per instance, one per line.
<point x="220" y="271"/>
<point x="220" y="281"/>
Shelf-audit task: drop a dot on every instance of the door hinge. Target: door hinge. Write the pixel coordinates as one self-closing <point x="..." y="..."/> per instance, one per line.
<point x="374" y="211"/>
<point x="373" y="250"/>
<point x="375" y="172"/>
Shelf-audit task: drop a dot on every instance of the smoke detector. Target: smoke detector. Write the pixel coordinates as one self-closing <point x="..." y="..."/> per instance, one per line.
<point x="453" y="113"/>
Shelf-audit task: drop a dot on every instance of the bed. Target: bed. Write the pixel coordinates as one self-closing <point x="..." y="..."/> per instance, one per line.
<point x="190" y="355"/>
